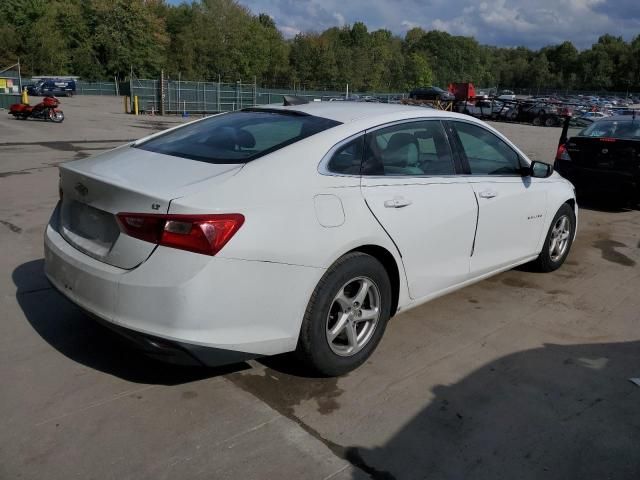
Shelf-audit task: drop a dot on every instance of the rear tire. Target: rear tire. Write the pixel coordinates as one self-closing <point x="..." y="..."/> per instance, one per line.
<point x="558" y="242"/>
<point x="56" y="117"/>
<point x="346" y="315"/>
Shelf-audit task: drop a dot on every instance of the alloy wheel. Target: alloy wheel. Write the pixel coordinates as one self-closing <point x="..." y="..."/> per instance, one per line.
<point x="559" y="240"/>
<point x="353" y="316"/>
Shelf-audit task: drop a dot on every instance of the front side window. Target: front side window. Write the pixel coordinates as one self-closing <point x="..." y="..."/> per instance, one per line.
<point x="486" y="153"/>
<point x="237" y="137"/>
<point x="408" y="149"/>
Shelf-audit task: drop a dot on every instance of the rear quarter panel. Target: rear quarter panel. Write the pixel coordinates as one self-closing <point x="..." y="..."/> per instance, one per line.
<point x="277" y="195"/>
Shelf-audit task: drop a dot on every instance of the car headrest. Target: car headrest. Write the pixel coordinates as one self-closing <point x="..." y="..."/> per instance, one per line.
<point x="402" y="150"/>
<point x="228" y="138"/>
<point x="245" y="139"/>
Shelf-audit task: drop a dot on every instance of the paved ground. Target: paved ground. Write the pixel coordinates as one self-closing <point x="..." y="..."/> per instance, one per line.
<point x="521" y="376"/>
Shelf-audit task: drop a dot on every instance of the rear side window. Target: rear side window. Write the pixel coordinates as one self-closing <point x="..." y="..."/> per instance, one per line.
<point x="237" y="137"/>
<point x="409" y="149"/>
<point x="346" y="160"/>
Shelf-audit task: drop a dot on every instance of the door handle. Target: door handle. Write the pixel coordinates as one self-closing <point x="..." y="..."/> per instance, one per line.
<point x="397" y="202"/>
<point x="488" y="194"/>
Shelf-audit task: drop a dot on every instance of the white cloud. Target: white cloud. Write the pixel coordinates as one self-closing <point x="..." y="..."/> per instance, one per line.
<point x="288" y="32"/>
<point x="533" y="23"/>
<point x="407" y="25"/>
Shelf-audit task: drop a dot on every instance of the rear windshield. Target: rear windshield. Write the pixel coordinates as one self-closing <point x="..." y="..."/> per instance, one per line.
<point x="237" y="137"/>
<point x="613" y="129"/>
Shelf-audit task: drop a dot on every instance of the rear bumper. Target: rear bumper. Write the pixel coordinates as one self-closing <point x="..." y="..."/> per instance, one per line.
<point x="591" y="180"/>
<point x="215" y="309"/>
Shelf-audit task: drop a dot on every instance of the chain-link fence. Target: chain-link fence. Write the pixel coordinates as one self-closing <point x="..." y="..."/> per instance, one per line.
<point x="186" y="97"/>
<point x="96" y="88"/>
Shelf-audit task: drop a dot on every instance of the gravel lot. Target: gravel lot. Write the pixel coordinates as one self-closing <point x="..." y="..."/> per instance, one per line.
<point x="523" y="376"/>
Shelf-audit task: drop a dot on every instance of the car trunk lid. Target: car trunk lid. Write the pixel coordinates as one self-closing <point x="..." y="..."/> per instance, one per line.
<point x="126" y="179"/>
<point x="604" y="153"/>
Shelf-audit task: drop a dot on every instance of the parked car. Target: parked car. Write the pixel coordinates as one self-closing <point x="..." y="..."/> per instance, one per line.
<point x="507" y="95"/>
<point x="538" y="113"/>
<point x="431" y="93"/>
<point x="594" y="115"/>
<point x="480" y="108"/>
<point x="602" y="157"/>
<point x="297" y="228"/>
<point x="57" y="87"/>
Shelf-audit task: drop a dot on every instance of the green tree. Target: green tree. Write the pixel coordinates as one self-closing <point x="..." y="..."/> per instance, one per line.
<point x="417" y="71"/>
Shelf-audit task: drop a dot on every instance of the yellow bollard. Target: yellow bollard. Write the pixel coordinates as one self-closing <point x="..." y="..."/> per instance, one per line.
<point x="25" y="96"/>
<point x="126" y="103"/>
<point x="135" y="104"/>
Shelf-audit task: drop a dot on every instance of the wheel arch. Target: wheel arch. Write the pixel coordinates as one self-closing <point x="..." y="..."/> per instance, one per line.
<point x="388" y="261"/>
<point x="572" y="203"/>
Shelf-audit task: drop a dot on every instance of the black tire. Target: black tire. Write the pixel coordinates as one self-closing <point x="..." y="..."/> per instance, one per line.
<point x="56" y="117"/>
<point x="545" y="262"/>
<point x="550" y="122"/>
<point x="537" y="121"/>
<point x="313" y="347"/>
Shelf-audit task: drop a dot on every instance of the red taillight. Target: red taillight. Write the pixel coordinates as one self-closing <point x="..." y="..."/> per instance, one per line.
<point x="205" y="234"/>
<point x="607" y="139"/>
<point x="562" y="153"/>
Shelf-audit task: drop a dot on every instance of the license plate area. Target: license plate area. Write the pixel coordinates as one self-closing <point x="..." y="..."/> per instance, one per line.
<point x="89" y="229"/>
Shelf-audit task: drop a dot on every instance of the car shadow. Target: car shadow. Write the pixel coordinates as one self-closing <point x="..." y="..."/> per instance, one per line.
<point x="71" y="332"/>
<point x="555" y="412"/>
<point x="606" y="205"/>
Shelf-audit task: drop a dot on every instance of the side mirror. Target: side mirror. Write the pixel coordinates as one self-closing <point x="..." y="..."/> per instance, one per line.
<point x="540" y="170"/>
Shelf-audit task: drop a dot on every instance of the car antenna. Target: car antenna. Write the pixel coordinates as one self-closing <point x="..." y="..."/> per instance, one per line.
<point x="293" y="100"/>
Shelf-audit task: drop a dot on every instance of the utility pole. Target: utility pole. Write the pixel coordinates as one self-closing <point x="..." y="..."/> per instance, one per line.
<point x="162" y="92"/>
<point x="19" y="76"/>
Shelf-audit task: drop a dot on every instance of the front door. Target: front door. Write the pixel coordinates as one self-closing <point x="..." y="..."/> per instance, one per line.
<point x="512" y="207"/>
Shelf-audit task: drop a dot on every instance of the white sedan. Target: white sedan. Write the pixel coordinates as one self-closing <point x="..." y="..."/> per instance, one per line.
<point x="297" y="228"/>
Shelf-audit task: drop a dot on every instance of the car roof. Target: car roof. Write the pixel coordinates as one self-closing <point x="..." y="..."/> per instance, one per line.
<point x="619" y="118"/>
<point x="347" y="112"/>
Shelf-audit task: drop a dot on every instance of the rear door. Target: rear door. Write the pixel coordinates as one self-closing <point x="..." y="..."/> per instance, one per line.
<point x="409" y="183"/>
<point x="512" y="207"/>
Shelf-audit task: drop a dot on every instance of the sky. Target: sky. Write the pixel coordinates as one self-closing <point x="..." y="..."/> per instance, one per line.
<point x="532" y="23"/>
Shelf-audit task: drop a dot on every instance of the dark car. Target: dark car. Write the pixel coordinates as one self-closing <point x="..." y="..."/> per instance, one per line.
<point x="603" y="157"/>
<point x="431" y="93"/>
<point x="538" y="113"/>
<point x="53" y="86"/>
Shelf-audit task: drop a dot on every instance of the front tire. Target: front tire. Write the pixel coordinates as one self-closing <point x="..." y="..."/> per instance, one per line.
<point x="346" y="315"/>
<point x="558" y="241"/>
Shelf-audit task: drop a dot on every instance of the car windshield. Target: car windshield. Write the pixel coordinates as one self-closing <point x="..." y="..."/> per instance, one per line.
<point x="237" y="137"/>
<point x="624" y="129"/>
